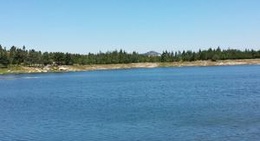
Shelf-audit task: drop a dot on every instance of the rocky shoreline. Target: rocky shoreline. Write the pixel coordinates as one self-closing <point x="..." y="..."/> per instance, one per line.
<point x="73" y="68"/>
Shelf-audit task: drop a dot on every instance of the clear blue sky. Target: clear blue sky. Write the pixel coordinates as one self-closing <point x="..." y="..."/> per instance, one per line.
<point x="82" y="26"/>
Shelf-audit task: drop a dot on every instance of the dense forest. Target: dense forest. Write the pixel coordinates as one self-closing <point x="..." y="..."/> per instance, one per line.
<point x="22" y="56"/>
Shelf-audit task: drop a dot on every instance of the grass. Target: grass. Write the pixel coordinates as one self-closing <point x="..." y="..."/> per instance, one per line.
<point x="12" y="69"/>
<point x="3" y="70"/>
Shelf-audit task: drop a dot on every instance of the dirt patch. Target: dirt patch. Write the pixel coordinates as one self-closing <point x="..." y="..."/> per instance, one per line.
<point x="64" y="68"/>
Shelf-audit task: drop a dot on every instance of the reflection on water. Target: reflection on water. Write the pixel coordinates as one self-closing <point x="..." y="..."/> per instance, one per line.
<point x="13" y="77"/>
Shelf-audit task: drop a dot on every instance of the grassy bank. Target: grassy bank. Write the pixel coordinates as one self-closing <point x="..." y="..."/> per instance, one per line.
<point x="23" y="69"/>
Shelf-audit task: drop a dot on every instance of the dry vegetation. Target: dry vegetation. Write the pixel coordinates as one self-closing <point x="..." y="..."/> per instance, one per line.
<point x="63" y="68"/>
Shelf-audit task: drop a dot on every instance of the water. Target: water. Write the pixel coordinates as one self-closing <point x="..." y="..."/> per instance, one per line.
<point x="161" y="104"/>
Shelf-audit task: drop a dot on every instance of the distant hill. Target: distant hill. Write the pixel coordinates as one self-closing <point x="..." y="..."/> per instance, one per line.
<point x="152" y="53"/>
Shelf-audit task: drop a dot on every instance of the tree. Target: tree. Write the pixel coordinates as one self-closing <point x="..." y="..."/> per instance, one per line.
<point x="59" y="58"/>
<point x="68" y="59"/>
<point x="3" y="58"/>
<point x="46" y="58"/>
<point x="22" y="56"/>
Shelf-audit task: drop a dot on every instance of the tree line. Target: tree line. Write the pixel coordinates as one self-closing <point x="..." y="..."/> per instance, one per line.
<point x="209" y="54"/>
<point x="31" y="57"/>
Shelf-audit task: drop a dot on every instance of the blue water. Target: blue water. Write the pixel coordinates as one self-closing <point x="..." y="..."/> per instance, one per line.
<point x="161" y="104"/>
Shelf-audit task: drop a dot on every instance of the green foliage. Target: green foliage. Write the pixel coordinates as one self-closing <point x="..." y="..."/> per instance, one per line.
<point x="210" y="54"/>
<point x="18" y="56"/>
<point x="215" y="57"/>
<point x="4" y="61"/>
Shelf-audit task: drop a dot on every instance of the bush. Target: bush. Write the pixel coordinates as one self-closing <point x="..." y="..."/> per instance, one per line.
<point x="215" y="57"/>
<point x="2" y="66"/>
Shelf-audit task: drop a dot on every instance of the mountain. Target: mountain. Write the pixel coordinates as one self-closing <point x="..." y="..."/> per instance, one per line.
<point x="152" y="53"/>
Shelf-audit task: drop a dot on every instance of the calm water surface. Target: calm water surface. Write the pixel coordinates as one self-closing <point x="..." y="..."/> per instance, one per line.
<point x="161" y="104"/>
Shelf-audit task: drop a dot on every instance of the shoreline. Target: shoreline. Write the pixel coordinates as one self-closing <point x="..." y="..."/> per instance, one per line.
<point x="77" y="68"/>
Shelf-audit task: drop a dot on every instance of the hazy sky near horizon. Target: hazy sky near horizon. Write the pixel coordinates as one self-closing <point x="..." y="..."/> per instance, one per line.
<point x="82" y="26"/>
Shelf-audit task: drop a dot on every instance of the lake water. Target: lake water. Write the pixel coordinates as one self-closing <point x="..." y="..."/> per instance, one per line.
<point x="160" y="104"/>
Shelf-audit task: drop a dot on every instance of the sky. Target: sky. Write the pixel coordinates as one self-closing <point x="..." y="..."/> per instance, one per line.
<point x="82" y="26"/>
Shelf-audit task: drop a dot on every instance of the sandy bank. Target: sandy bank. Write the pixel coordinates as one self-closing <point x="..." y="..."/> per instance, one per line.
<point x="23" y="69"/>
